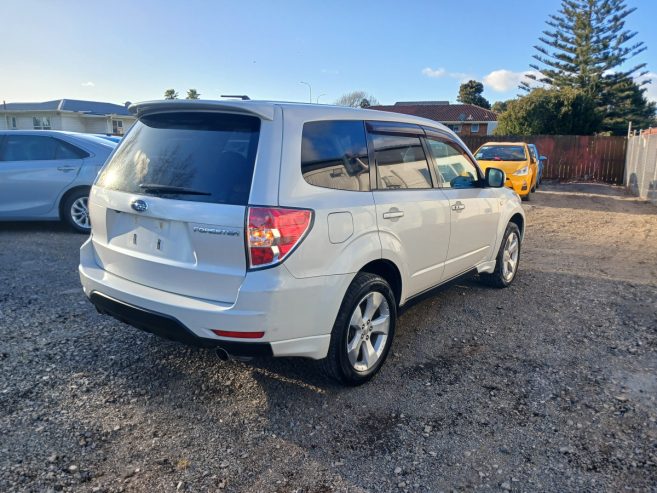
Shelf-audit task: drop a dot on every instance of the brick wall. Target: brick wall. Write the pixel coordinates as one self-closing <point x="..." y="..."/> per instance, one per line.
<point x="466" y="129"/>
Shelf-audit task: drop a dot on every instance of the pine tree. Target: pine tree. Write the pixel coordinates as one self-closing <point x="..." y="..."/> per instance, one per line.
<point x="587" y="50"/>
<point x="628" y="103"/>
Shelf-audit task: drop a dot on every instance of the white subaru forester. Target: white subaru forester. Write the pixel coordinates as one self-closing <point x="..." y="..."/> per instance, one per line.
<point x="280" y="229"/>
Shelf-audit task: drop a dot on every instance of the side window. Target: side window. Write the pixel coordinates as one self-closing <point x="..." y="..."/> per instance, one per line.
<point x="28" y="148"/>
<point x="452" y="165"/>
<point x="334" y="155"/>
<point x="400" y="162"/>
<point x="532" y="152"/>
<point x="65" y="150"/>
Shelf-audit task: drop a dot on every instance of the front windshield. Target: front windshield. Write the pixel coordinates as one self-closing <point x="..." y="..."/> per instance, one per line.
<point x="501" y="153"/>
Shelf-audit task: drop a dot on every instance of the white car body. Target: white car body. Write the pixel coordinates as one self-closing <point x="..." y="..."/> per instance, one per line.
<point x="186" y="260"/>
<point x="37" y="189"/>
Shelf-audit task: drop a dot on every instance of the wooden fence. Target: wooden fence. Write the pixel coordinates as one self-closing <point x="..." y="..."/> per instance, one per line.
<point x="571" y="157"/>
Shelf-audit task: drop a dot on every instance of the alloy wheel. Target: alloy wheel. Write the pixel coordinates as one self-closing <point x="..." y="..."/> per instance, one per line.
<point x="80" y="213"/>
<point x="510" y="257"/>
<point x="368" y="331"/>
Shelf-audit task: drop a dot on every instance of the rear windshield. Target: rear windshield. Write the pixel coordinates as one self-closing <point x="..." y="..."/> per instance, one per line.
<point x="202" y="157"/>
<point x="501" y="153"/>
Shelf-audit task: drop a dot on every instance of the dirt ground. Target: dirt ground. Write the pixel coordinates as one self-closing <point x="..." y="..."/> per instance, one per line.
<point x="549" y="385"/>
<point x="593" y="229"/>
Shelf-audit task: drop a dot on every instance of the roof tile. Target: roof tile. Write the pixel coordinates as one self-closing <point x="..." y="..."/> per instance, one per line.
<point x="445" y="113"/>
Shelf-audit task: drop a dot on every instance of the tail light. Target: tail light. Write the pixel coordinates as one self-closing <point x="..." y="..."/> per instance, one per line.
<point x="273" y="232"/>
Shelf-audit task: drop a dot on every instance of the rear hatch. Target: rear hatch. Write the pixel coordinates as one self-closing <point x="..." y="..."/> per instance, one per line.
<point x="168" y="210"/>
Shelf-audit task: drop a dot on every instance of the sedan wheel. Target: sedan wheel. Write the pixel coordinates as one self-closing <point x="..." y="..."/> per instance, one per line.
<point x="80" y="212"/>
<point x="75" y="211"/>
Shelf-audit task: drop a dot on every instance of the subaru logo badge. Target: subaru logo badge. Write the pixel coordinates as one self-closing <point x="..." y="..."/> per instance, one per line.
<point x="139" y="205"/>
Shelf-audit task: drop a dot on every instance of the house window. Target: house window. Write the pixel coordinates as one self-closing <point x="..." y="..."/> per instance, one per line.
<point x="41" y="122"/>
<point x="11" y="122"/>
<point x="474" y="128"/>
<point x="455" y="128"/>
<point x="117" y="127"/>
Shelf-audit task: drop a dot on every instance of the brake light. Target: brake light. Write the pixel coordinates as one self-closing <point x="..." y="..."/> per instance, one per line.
<point x="273" y="232"/>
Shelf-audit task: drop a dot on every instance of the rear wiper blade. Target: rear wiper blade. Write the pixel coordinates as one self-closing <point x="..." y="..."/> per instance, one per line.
<point x="155" y="188"/>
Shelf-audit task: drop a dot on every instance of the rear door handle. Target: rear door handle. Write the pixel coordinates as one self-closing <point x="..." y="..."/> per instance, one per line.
<point x="458" y="206"/>
<point x="393" y="213"/>
<point x="66" y="169"/>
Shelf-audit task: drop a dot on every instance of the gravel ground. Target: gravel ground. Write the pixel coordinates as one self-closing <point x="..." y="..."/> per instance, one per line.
<point x="549" y="385"/>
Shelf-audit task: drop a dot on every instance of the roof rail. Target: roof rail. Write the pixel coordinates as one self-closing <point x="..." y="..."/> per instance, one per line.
<point x="243" y="97"/>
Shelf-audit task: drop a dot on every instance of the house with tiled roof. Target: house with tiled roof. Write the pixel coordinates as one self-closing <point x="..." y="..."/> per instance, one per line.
<point x="464" y="119"/>
<point x="72" y="115"/>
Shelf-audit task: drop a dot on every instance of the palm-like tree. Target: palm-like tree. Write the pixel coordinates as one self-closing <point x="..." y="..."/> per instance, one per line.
<point x="193" y="94"/>
<point x="170" y="94"/>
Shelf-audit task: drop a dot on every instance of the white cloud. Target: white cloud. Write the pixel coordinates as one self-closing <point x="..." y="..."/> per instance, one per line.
<point x="439" y="73"/>
<point x="435" y="73"/>
<point x="88" y="84"/>
<point x="505" y="80"/>
<point x="651" y="88"/>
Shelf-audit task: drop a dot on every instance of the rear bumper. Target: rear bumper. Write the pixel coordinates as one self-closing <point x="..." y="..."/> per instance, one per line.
<point x="296" y="315"/>
<point x="170" y="328"/>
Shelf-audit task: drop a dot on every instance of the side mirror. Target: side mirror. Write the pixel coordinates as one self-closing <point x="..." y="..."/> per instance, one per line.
<point x="495" y="178"/>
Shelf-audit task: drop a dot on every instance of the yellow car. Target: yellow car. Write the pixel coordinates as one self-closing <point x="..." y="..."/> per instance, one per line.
<point x="516" y="160"/>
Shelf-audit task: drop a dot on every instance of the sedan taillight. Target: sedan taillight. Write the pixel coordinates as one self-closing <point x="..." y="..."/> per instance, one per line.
<point x="273" y="232"/>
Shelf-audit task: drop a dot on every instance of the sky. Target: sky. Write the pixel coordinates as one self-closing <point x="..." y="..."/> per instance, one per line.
<point x="132" y="50"/>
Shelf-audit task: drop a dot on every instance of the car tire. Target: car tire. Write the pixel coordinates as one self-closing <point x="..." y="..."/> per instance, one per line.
<point x="500" y="277"/>
<point x="525" y="198"/>
<point x="364" y="332"/>
<point x="75" y="211"/>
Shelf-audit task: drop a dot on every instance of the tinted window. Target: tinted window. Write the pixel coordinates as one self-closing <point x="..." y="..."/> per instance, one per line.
<point x="334" y="155"/>
<point x="452" y="165"/>
<point x="212" y="154"/>
<point x="501" y="153"/>
<point x="400" y="162"/>
<point x="69" y="151"/>
<point x="28" y="148"/>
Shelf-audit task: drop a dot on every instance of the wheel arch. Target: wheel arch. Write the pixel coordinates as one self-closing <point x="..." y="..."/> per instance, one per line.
<point x="388" y="271"/>
<point x="67" y="194"/>
<point x="519" y="221"/>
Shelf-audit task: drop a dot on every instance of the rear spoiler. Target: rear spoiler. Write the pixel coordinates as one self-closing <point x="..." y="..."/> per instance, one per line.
<point x="262" y="109"/>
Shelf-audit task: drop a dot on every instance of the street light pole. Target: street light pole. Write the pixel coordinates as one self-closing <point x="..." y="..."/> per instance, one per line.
<point x="309" y="89"/>
<point x="317" y="100"/>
